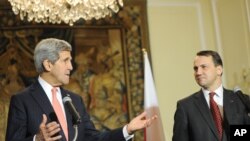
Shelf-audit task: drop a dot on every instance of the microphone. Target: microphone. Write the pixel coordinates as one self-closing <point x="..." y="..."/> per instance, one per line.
<point x="244" y="98"/>
<point x="68" y="103"/>
<point x="53" y="117"/>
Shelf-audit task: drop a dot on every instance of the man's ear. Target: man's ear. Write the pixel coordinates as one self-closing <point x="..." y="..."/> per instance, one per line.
<point x="219" y="70"/>
<point x="47" y="65"/>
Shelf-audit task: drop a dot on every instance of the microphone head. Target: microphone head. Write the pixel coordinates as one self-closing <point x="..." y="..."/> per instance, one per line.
<point x="66" y="99"/>
<point x="236" y="89"/>
<point x="76" y="119"/>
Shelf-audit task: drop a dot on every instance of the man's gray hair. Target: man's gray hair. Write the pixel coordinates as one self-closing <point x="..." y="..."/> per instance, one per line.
<point x="49" y="49"/>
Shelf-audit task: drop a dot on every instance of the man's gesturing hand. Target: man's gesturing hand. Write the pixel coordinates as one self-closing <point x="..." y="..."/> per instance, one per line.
<point x="48" y="131"/>
<point x="140" y="122"/>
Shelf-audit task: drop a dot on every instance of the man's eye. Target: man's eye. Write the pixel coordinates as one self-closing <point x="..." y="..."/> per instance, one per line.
<point x="204" y="67"/>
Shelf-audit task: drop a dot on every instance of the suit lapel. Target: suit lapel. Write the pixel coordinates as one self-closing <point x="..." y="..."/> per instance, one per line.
<point x="228" y="106"/>
<point x="202" y="105"/>
<point x="41" y="98"/>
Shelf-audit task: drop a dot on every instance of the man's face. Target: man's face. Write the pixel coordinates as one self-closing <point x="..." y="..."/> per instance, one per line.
<point x="206" y="74"/>
<point x="60" y="71"/>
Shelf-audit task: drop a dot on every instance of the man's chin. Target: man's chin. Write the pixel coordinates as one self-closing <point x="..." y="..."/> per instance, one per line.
<point x="202" y="85"/>
<point x="66" y="82"/>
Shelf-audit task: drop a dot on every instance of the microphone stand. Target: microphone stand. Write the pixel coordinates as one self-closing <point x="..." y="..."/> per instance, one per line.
<point x="246" y="101"/>
<point x="76" y="122"/>
<point x="76" y="119"/>
<point x="76" y="132"/>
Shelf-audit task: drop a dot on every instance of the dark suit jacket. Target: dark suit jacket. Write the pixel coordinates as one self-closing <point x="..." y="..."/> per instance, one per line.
<point x="25" y="116"/>
<point x="194" y="122"/>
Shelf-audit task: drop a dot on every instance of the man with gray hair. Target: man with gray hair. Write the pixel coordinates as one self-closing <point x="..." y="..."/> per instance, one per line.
<point x="38" y="114"/>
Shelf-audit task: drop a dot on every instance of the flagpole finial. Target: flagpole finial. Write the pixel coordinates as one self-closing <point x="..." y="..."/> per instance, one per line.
<point x="144" y="50"/>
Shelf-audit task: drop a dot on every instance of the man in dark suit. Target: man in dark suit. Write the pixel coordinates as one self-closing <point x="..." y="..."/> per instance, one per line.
<point x="38" y="114"/>
<point x="195" y="117"/>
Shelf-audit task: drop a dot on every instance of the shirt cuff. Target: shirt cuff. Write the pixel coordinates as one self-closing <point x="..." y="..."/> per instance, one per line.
<point x="34" y="138"/>
<point x="125" y="133"/>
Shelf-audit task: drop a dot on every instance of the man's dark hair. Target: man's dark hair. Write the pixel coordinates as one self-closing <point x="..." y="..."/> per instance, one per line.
<point x="215" y="56"/>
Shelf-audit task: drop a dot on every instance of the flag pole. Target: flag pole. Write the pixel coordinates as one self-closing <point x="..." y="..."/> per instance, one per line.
<point x="155" y="131"/>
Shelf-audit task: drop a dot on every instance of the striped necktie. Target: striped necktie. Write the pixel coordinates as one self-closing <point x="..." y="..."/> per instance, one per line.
<point x="216" y="114"/>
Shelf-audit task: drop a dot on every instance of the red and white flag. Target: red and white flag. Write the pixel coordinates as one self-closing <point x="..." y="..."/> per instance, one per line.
<point x="155" y="131"/>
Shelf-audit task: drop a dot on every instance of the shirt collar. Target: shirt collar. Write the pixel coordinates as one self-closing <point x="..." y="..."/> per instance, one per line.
<point x="218" y="91"/>
<point x="44" y="84"/>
